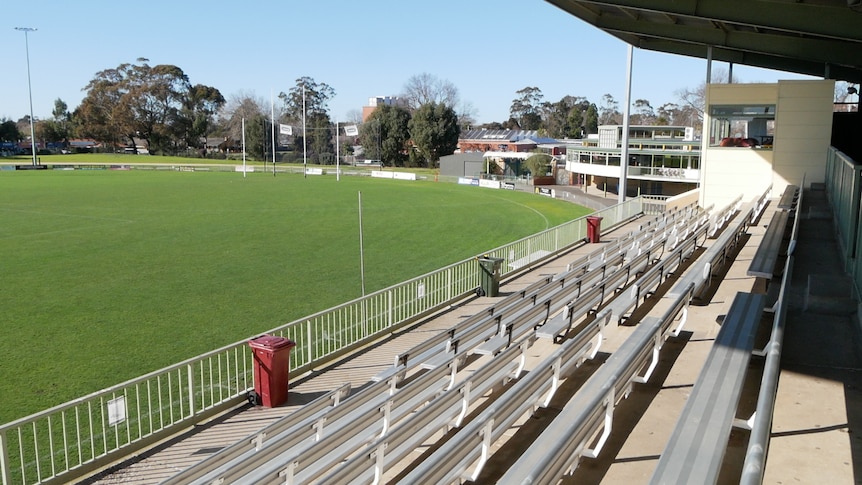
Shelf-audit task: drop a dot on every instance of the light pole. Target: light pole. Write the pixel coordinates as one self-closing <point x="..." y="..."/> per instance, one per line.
<point x="26" y="30"/>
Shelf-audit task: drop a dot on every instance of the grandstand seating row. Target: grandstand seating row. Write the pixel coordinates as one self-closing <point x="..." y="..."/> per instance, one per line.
<point x="380" y="424"/>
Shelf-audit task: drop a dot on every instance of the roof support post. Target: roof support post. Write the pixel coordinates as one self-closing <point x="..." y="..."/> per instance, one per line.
<point x="708" y="64"/>
<point x="624" y="149"/>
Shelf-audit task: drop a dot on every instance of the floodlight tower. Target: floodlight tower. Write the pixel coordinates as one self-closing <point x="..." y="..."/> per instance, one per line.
<point x="27" y="30"/>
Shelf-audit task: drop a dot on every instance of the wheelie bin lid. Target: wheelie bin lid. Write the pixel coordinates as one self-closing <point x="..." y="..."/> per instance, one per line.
<point x="270" y="342"/>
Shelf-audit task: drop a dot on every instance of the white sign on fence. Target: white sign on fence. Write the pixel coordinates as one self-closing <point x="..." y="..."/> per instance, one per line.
<point x="404" y="176"/>
<point x="240" y="168"/>
<point x="116" y="410"/>
<point x="314" y="171"/>
<point x="285" y="129"/>
<point x="490" y="184"/>
<point x="351" y="130"/>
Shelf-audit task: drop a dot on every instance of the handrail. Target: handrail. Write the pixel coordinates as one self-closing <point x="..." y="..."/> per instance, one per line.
<point x="758" y="441"/>
<point x="79" y="436"/>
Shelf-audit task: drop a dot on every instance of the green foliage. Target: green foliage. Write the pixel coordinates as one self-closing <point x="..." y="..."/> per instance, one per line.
<point x="525" y="108"/>
<point x="9" y="131"/>
<point x="434" y="131"/>
<point x="116" y="274"/>
<point x="154" y="103"/>
<point x="385" y="133"/>
<point x="538" y="164"/>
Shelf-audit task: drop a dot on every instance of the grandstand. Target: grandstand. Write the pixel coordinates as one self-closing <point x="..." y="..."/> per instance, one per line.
<point x="691" y="345"/>
<point x="474" y="413"/>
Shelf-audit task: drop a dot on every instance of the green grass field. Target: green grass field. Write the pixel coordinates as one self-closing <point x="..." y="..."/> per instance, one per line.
<point x="107" y="275"/>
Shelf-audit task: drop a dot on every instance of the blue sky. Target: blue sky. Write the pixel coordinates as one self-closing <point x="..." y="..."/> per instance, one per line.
<point x="488" y="49"/>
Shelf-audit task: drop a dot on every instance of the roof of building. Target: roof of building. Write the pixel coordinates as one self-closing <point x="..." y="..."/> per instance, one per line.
<point x="498" y="135"/>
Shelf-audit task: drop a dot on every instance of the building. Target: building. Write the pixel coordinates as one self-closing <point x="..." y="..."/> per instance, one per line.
<point x="773" y="133"/>
<point x="661" y="160"/>
<point x="376" y="101"/>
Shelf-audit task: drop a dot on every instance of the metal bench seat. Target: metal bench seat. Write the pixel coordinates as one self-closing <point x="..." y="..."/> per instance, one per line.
<point x="697" y="445"/>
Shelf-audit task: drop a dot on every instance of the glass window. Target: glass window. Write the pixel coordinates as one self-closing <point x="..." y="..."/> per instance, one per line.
<point x="748" y="126"/>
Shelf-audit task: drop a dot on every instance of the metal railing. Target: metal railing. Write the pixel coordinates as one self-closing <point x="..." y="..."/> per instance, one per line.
<point x="75" y="438"/>
<point x="844" y="186"/>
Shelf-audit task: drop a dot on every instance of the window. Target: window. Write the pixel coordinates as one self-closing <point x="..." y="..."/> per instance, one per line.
<point x="749" y="126"/>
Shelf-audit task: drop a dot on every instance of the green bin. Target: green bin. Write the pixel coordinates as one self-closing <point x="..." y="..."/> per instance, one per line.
<point x="489" y="276"/>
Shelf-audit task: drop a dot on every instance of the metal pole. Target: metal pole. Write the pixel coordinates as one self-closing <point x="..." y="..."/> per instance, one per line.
<point x="708" y="64"/>
<point x="272" y="118"/>
<point x="361" y="248"/>
<point x="624" y="151"/>
<point x="304" y="138"/>
<point x="243" y="148"/>
<point x="337" y="169"/>
<point x="26" y="30"/>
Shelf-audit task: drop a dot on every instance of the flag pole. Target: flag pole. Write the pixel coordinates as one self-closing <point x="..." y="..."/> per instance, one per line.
<point x="243" y="148"/>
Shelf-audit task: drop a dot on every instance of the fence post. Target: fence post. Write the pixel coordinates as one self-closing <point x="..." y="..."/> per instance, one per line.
<point x="191" y="373"/>
<point x="5" y="473"/>
<point x="389" y="310"/>
<point x="309" y="342"/>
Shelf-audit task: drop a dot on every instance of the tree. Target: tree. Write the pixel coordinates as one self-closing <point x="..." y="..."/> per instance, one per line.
<point x="644" y="113"/>
<point x="197" y="115"/>
<point x="425" y="88"/>
<point x="538" y="164"/>
<point x="9" y="131"/>
<point x="565" y="118"/>
<point x="143" y="101"/>
<point x="385" y="133"/>
<point x="239" y="106"/>
<point x="525" y="109"/>
<point x="310" y="98"/>
<point x="591" y="119"/>
<point x="609" y="113"/>
<point x="692" y="101"/>
<point x="434" y="130"/>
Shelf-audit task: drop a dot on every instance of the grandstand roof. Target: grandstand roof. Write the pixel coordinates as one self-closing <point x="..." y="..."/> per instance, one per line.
<point x="815" y="37"/>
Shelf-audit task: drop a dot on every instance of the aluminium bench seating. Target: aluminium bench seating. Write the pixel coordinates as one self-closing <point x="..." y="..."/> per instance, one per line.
<point x="697" y="445"/>
<point x="789" y="197"/>
<point x="584" y="424"/>
<point x="707" y="264"/>
<point x="769" y="250"/>
<point x="304" y="420"/>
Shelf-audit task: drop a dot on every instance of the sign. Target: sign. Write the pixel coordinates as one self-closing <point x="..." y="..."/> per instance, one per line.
<point x="490" y="184"/>
<point x="508" y="186"/>
<point x="116" y="410"/>
<point x="285" y="129"/>
<point x="545" y="191"/>
<point x="351" y="130"/>
<point x="240" y="168"/>
<point x="404" y="175"/>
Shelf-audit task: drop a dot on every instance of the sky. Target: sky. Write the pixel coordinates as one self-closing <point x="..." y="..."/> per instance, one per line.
<point x="488" y="49"/>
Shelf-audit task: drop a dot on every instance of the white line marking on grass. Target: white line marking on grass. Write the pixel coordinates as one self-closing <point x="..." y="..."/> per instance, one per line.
<point x="60" y="214"/>
<point x="547" y="222"/>
<point x="112" y="220"/>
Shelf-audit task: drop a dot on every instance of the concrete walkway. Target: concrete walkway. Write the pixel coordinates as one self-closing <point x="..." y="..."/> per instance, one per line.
<point x="817" y="429"/>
